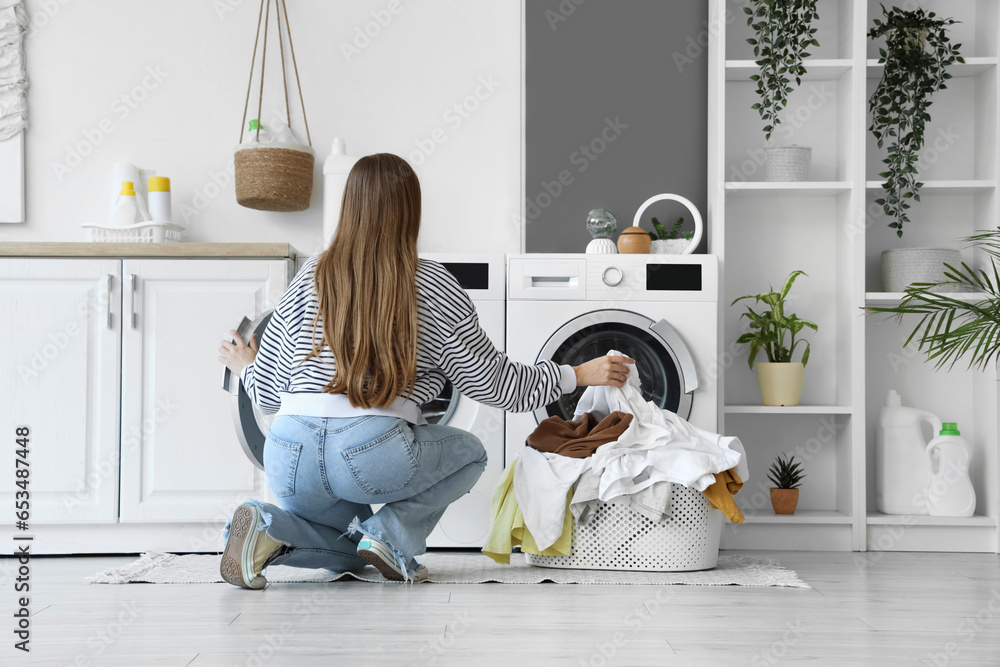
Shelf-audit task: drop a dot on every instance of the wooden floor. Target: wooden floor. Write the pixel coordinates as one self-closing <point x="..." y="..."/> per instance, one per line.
<point x="863" y="609"/>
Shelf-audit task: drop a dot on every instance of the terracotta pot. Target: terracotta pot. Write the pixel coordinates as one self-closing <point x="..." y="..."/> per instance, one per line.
<point x="634" y="241"/>
<point x="780" y="383"/>
<point x="784" y="501"/>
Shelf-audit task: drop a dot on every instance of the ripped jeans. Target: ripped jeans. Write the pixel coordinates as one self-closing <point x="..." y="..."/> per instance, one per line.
<point x="325" y="472"/>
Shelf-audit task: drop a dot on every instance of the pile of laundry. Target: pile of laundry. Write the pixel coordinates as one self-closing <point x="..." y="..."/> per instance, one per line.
<point x="619" y="448"/>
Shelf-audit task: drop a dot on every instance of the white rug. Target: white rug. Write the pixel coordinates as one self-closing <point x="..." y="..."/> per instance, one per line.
<point x="455" y="568"/>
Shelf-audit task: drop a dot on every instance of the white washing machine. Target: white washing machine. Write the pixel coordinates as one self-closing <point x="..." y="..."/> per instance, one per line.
<point x="466" y="522"/>
<point x="662" y="310"/>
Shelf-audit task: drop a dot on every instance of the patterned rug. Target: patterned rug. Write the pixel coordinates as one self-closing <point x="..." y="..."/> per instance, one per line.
<point x="455" y="568"/>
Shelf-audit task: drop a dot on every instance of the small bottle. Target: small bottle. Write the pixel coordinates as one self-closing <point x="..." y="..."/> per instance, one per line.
<point x="126" y="211"/>
<point x="159" y="199"/>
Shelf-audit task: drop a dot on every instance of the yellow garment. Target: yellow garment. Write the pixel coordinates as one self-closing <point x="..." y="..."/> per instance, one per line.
<point x="720" y="494"/>
<point x="507" y="528"/>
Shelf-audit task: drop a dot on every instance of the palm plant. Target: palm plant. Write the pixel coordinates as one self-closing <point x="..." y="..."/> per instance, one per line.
<point x="786" y="473"/>
<point x="949" y="327"/>
<point x="768" y="328"/>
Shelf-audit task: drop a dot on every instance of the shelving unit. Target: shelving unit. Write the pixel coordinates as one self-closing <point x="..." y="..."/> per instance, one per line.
<point x="830" y="227"/>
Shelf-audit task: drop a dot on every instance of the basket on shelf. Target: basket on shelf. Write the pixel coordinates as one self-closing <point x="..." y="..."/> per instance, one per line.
<point x="274" y="176"/>
<point x="902" y="267"/>
<point x="619" y="539"/>
<point x="142" y="232"/>
<point x="787" y="163"/>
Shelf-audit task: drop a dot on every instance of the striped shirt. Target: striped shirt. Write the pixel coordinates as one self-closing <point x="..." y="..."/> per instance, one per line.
<point x="450" y="346"/>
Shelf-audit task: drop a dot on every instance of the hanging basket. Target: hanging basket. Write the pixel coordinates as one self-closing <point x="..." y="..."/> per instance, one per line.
<point x="274" y="176"/>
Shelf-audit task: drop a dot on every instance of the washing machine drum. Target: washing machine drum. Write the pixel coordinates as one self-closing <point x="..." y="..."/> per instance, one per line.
<point x="252" y="425"/>
<point x="663" y="361"/>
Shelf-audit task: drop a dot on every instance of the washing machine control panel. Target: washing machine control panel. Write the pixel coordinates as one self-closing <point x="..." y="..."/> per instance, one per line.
<point x="612" y="276"/>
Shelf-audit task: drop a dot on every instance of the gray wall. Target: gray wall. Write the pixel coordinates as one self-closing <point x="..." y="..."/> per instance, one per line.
<point x="635" y="61"/>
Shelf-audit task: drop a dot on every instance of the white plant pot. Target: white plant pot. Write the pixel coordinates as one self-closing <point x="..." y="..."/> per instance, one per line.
<point x="787" y="163"/>
<point x="670" y="247"/>
<point x="904" y="266"/>
<point x="602" y="247"/>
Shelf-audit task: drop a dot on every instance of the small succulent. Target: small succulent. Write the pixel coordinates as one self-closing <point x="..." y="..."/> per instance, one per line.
<point x="664" y="234"/>
<point x="785" y="473"/>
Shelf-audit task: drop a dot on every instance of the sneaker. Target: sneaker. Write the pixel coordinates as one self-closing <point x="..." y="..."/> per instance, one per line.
<point x="248" y="549"/>
<point x="378" y="554"/>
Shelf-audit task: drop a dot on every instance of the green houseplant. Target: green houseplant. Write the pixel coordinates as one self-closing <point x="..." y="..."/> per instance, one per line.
<point x="783" y="31"/>
<point x="786" y="475"/>
<point x="950" y="328"/>
<point x="912" y="74"/>
<point x="670" y="241"/>
<point x="775" y="332"/>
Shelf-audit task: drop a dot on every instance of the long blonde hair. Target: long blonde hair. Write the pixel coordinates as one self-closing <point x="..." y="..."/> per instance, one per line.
<point x="366" y="284"/>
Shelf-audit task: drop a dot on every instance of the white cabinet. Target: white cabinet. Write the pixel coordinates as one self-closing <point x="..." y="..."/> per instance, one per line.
<point x="114" y="369"/>
<point x="60" y="340"/>
<point x="179" y="457"/>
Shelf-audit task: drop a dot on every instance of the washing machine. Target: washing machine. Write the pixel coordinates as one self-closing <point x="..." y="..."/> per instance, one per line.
<point x="661" y="310"/>
<point x="466" y="522"/>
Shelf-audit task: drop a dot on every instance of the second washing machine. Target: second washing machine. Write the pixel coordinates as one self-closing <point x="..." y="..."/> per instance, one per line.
<point x="466" y="522"/>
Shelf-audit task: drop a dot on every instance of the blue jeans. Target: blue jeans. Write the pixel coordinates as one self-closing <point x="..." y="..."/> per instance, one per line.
<point x="326" y="471"/>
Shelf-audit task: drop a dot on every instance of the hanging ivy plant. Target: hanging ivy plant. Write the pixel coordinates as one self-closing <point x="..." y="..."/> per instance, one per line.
<point x="913" y="73"/>
<point x="784" y="32"/>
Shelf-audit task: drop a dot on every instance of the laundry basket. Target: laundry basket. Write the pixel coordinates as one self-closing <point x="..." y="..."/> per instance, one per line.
<point x="619" y="539"/>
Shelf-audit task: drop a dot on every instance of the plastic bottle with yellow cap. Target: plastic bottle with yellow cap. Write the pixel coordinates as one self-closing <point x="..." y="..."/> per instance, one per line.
<point x="126" y="212"/>
<point x="159" y="199"/>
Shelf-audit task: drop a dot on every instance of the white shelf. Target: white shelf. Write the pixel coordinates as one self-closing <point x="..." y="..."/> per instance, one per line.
<point x="766" y="188"/>
<point x="879" y="519"/>
<point x="800" y="517"/>
<point x="971" y="67"/>
<point x="788" y="410"/>
<point x="969" y="187"/>
<point x="816" y="70"/>
<point x="894" y="298"/>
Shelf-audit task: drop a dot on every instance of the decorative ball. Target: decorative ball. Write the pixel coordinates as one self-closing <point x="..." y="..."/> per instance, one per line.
<point x="601" y="223"/>
<point x="634" y="241"/>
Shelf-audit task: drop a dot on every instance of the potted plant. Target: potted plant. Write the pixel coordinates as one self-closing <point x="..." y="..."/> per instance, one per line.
<point x="670" y="241"/>
<point x="786" y="475"/>
<point x="783" y="32"/>
<point x="912" y="74"/>
<point x="780" y="378"/>
<point x="949" y="328"/>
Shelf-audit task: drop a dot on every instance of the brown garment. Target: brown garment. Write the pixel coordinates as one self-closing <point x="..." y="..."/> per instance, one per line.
<point x="577" y="439"/>
<point x="720" y="494"/>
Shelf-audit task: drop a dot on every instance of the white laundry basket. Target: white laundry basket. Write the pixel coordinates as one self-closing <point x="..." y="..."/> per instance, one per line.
<point x="619" y="539"/>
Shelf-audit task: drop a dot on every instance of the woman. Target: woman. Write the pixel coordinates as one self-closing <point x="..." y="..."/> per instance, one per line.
<point x="366" y="334"/>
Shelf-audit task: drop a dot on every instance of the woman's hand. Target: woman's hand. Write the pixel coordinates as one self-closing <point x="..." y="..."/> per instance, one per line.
<point x="237" y="355"/>
<point x="603" y="371"/>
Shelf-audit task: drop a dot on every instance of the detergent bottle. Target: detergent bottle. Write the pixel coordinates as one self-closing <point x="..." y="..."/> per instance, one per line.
<point x="950" y="491"/>
<point x="902" y="466"/>
<point x="335" y="170"/>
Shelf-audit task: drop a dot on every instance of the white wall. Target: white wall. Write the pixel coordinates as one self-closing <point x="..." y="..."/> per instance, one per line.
<point x="84" y="55"/>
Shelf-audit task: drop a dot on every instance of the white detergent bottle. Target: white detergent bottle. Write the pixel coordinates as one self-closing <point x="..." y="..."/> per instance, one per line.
<point x="950" y="491"/>
<point x="126" y="212"/>
<point x="335" y="170"/>
<point x="902" y="467"/>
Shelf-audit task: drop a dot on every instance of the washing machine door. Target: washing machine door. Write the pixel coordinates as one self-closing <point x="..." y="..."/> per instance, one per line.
<point x="252" y="425"/>
<point x="663" y="361"/>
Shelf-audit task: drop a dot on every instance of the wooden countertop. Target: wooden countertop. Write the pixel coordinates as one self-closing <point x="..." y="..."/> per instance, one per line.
<point x="181" y="250"/>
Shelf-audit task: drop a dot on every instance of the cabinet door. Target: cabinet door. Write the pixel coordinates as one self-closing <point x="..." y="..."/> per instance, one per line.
<point x="60" y="343"/>
<point x="181" y="459"/>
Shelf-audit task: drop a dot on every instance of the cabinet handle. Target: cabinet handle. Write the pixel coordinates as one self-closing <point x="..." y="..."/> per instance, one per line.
<point x="132" y="279"/>
<point x="111" y="288"/>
